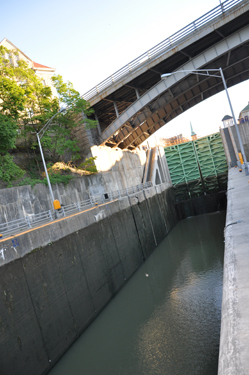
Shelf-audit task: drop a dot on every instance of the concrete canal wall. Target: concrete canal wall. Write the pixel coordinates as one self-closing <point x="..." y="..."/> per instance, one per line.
<point x="56" y="279"/>
<point x="234" y="340"/>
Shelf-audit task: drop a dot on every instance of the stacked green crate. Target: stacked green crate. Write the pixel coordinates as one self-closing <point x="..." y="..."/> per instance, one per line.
<point x="182" y="163"/>
<point x="212" y="160"/>
<point x="219" y="158"/>
<point x="187" y="159"/>
<point x="206" y="163"/>
<point x="184" y="171"/>
<point x="218" y="153"/>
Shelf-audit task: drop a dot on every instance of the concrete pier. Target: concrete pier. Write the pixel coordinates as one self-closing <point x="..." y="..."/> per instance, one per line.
<point x="234" y="340"/>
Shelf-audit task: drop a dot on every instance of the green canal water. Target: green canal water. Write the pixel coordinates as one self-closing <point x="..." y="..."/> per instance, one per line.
<point x="166" y="319"/>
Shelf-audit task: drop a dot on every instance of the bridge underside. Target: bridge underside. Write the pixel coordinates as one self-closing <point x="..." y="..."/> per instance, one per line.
<point x="132" y="113"/>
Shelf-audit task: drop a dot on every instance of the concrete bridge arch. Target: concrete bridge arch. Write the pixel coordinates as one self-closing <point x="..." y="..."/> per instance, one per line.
<point x="181" y="91"/>
<point x="134" y="106"/>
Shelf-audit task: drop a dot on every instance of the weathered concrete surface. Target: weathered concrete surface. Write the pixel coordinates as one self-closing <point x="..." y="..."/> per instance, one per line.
<point x="231" y="142"/>
<point x="123" y="172"/>
<point x="49" y="295"/>
<point x="234" y="340"/>
<point x="118" y="170"/>
<point x="244" y="134"/>
<point x="14" y="247"/>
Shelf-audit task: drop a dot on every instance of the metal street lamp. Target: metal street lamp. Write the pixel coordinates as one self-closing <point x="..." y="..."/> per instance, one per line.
<point x="56" y="203"/>
<point x="205" y="72"/>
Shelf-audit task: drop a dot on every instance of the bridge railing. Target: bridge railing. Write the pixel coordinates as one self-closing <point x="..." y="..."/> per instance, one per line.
<point x="34" y="220"/>
<point x="164" y="46"/>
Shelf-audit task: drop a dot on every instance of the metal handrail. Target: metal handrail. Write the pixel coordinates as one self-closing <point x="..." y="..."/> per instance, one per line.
<point x="33" y="220"/>
<point x="166" y="45"/>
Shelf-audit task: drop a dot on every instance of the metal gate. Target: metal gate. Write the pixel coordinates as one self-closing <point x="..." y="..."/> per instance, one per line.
<point x="197" y="167"/>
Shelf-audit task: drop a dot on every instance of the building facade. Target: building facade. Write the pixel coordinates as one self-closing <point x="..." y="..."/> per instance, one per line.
<point x="43" y="72"/>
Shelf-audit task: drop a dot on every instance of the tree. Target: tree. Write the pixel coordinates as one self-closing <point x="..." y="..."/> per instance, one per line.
<point x="58" y="138"/>
<point x="27" y="104"/>
<point x="8" y="133"/>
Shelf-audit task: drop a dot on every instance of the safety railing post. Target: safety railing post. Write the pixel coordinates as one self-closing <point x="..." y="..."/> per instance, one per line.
<point x="28" y="221"/>
<point x="50" y="215"/>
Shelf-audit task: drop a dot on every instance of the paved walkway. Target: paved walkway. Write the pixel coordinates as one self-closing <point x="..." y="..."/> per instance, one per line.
<point x="234" y="341"/>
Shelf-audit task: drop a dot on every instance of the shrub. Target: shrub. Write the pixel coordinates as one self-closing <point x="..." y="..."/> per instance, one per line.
<point x="9" y="171"/>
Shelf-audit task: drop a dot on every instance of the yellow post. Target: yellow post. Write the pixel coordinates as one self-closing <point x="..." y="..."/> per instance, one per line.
<point x="56" y="204"/>
<point x="240" y="158"/>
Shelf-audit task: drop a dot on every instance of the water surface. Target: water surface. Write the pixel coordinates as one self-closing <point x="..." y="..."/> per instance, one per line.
<point x="166" y="319"/>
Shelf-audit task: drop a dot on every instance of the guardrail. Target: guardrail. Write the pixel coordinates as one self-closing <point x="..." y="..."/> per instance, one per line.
<point x="166" y="45"/>
<point x="34" y="220"/>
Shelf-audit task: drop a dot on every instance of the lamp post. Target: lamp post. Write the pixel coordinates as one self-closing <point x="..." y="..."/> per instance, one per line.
<point x="214" y="72"/>
<point x="56" y="203"/>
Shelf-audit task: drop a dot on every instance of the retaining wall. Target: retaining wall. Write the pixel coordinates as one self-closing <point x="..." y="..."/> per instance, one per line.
<point x="123" y="169"/>
<point x="19" y="201"/>
<point x="56" y="279"/>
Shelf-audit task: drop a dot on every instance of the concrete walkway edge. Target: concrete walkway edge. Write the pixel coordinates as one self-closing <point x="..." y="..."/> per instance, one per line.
<point x="234" y="339"/>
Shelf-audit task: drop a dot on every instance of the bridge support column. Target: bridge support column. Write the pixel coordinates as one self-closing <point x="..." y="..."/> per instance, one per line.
<point x="116" y="109"/>
<point x="97" y="120"/>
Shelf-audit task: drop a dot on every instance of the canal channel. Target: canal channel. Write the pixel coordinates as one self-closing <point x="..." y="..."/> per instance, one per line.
<point x="166" y="319"/>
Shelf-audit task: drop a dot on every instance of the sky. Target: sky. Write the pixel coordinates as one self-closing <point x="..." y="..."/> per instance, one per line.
<point x="86" y="41"/>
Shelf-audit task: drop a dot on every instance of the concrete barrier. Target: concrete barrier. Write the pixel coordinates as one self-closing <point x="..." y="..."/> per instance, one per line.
<point x="56" y="279"/>
<point x="234" y="339"/>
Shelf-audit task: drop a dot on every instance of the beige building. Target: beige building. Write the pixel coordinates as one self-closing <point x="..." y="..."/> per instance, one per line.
<point x="44" y="72"/>
<point x="244" y="115"/>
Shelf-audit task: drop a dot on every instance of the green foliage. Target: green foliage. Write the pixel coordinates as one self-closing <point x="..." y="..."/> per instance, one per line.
<point x="22" y="93"/>
<point x="28" y="105"/>
<point x="8" y="133"/>
<point x="30" y="181"/>
<point x="58" y="137"/>
<point x="32" y="170"/>
<point x="70" y="98"/>
<point x="56" y="178"/>
<point x="9" y="171"/>
<point x="89" y="165"/>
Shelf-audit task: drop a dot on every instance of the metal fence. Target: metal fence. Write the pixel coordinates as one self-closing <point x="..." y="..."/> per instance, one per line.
<point x="166" y="45"/>
<point x="34" y="220"/>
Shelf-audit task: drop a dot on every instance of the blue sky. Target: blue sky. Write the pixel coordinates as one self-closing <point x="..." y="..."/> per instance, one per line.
<point x="88" y="41"/>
